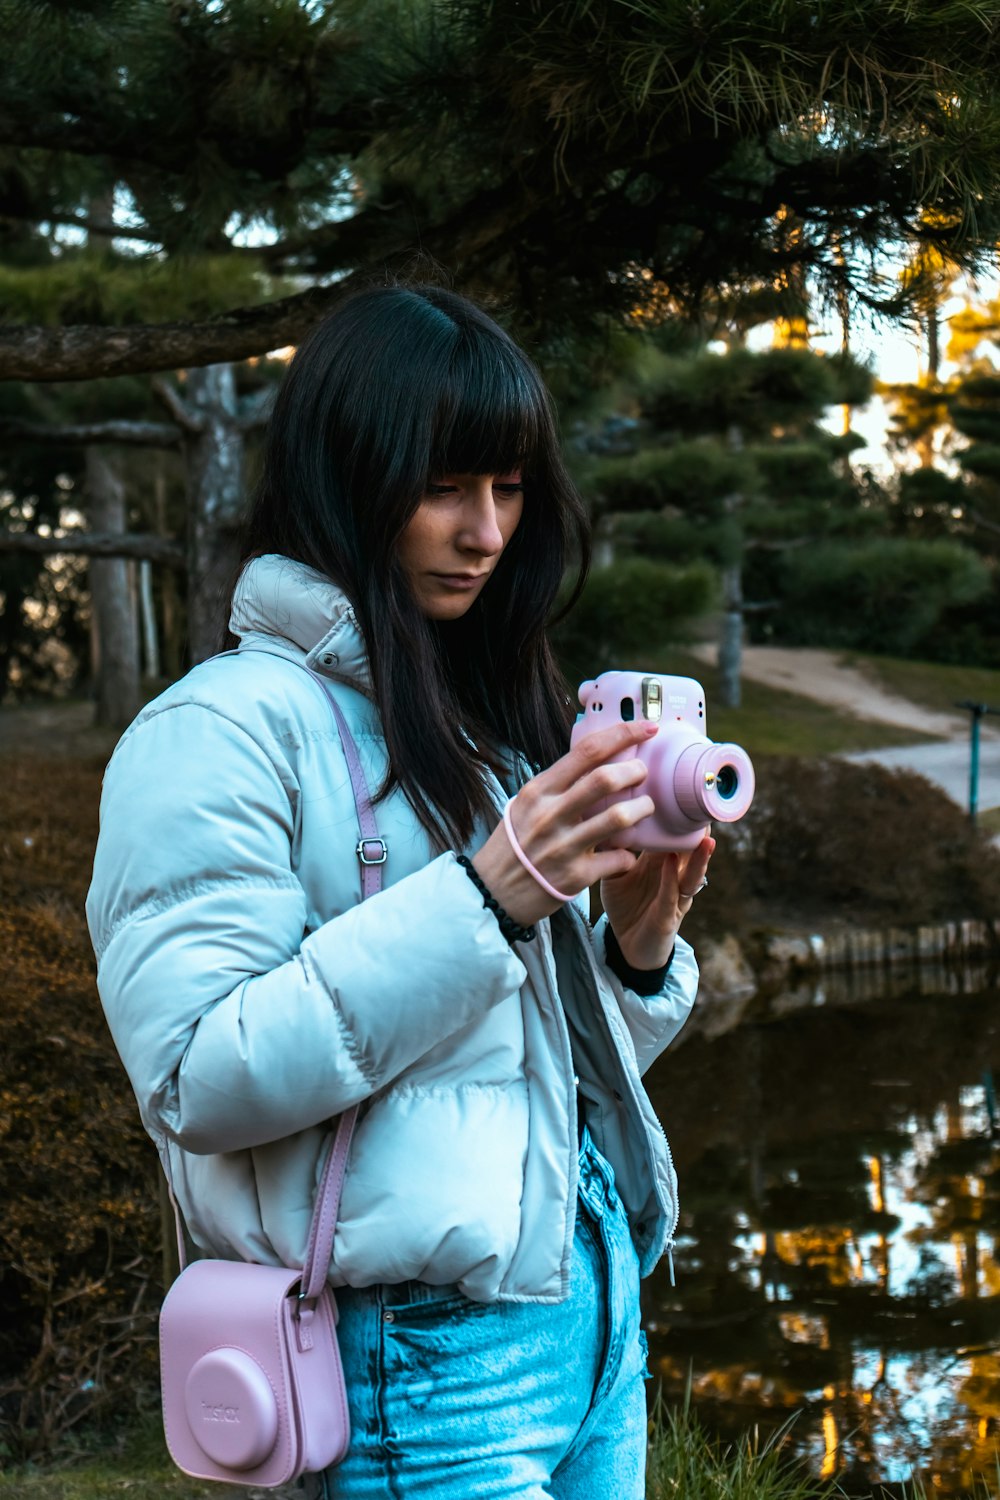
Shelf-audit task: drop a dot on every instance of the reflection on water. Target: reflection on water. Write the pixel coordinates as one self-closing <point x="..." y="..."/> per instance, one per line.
<point x="839" y="1249"/>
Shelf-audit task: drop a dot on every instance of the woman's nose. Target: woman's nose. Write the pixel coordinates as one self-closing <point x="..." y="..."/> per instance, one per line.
<point x="481" y="528"/>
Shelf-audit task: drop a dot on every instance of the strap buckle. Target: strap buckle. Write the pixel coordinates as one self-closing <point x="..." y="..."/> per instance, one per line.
<point x="364" y="845"/>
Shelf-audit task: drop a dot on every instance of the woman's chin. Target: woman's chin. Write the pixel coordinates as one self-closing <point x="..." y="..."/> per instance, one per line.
<point x="447" y="607"/>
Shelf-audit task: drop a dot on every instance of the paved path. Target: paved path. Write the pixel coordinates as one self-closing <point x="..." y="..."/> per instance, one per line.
<point x="822" y="675"/>
<point x="947" y="764"/>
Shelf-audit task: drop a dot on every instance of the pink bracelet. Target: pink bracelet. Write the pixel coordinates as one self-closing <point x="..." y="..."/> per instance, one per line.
<point x="526" y="862"/>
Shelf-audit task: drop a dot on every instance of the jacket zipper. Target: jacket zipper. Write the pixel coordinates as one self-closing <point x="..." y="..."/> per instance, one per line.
<point x="596" y="980"/>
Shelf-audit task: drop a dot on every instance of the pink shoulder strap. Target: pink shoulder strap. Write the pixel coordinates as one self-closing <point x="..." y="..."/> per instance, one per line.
<point x="372" y="851"/>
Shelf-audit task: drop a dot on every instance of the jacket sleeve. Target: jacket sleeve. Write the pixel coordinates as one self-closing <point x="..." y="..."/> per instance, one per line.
<point x="236" y="1028"/>
<point x="654" y="1021"/>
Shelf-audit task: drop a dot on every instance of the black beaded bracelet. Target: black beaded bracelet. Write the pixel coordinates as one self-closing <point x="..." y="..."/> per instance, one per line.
<point x="509" y="929"/>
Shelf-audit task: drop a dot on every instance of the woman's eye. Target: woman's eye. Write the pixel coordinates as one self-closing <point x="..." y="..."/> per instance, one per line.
<point x="441" y="489"/>
<point x="509" y="489"/>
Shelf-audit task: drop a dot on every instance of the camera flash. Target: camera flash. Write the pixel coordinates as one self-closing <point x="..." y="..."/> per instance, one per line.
<point x="652" y="699"/>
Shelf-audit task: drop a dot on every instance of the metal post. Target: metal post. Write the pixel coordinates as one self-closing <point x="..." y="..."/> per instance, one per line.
<point x="974" y="763"/>
<point x="977" y="710"/>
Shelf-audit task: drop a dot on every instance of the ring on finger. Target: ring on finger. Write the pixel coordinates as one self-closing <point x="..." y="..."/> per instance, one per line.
<point x="690" y="895"/>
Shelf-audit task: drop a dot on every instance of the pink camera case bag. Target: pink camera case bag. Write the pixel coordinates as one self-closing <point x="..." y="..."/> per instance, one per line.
<point x="252" y="1382"/>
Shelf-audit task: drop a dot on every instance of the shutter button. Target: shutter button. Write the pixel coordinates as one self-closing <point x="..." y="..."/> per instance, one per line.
<point x="329" y="658"/>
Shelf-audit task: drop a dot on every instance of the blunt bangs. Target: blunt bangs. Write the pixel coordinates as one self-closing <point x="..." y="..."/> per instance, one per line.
<point x="492" y="414"/>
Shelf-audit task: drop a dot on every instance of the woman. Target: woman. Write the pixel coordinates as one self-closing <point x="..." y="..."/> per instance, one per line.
<point x="508" y="1181"/>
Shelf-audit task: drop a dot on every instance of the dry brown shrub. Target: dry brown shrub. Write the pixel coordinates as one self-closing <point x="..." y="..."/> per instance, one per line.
<point x="829" y="842"/>
<point x="79" y="1234"/>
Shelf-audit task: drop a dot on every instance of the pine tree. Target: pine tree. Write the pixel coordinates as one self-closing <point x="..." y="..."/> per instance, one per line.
<point x="732" y="466"/>
<point x="952" y="496"/>
<point x="551" y="153"/>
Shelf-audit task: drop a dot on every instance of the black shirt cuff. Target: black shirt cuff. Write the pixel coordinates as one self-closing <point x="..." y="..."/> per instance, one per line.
<point x="642" y="981"/>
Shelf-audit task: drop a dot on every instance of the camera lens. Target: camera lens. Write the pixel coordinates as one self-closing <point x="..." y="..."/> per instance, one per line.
<point x="727" y="781"/>
<point x="628" y="709"/>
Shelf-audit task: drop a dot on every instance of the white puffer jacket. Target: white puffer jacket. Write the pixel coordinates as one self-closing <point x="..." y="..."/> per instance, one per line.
<point x="253" y="996"/>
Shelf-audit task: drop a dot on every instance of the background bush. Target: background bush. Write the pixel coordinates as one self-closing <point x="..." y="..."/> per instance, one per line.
<point x="829" y="842"/>
<point x="79" y="1234"/>
<point x="631" y="608"/>
<point x="884" y="594"/>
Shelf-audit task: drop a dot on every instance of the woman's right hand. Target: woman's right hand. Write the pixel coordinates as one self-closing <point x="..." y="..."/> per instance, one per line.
<point x="552" y="820"/>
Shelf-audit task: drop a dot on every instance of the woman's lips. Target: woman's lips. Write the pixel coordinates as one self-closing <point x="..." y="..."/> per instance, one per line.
<point x="459" y="580"/>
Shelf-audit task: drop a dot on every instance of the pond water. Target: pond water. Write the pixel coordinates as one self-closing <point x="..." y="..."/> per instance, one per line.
<point x="838" y="1255"/>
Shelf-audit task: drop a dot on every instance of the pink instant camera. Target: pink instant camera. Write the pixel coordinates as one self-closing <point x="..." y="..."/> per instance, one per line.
<point x="690" y="779"/>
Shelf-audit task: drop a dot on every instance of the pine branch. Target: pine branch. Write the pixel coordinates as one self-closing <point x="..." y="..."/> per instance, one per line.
<point x="96" y="544"/>
<point x="81" y="352"/>
<point x="134" y="434"/>
<point x="344" y="133"/>
<point x="340" y="236"/>
<point x="784" y="544"/>
<point x="104" y="227"/>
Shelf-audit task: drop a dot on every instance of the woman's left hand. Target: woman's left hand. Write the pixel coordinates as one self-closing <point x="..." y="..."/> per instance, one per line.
<point x="647" y="904"/>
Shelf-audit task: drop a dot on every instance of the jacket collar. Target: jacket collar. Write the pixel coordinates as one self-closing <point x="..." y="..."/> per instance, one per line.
<point x="294" y="605"/>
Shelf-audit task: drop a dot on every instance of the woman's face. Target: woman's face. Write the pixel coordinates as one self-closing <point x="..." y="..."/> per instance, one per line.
<point x="456" y="537"/>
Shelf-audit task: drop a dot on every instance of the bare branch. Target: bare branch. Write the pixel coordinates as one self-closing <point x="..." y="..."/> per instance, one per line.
<point x="135" y="434"/>
<point x="94" y="544"/>
<point x="981" y="521"/>
<point x="171" y="399"/>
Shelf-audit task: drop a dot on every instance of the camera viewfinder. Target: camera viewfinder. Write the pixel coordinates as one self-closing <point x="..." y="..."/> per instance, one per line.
<point x="652" y="699"/>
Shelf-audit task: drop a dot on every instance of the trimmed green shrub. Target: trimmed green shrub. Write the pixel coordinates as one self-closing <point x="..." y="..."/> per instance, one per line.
<point x="884" y="594"/>
<point x="628" y="613"/>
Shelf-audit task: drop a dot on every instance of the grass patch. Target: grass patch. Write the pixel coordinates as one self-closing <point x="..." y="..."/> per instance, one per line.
<point x="135" y="1465"/>
<point x="988" y="820"/>
<point x="932" y="684"/>
<point x="136" y="1461"/>
<point x="684" y="1463"/>
<point x="771" y="721"/>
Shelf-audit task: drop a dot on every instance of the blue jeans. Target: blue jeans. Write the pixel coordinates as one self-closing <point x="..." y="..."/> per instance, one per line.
<point x="453" y="1400"/>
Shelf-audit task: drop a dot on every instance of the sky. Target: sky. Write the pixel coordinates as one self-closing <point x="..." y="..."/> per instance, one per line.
<point x="897" y="355"/>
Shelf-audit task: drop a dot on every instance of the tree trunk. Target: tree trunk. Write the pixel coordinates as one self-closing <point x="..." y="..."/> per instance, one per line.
<point x="115" y="625"/>
<point x="731" y="638"/>
<point x="933" y="342"/>
<point x="10" y="626"/>
<point x="172" y="663"/>
<point x="730" y="654"/>
<point x="214" y="462"/>
<point x="150" y="637"/>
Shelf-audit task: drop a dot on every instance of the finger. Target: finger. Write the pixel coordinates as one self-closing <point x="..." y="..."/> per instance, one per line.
<point x="564" y="849"/>
<point x="593" y="750"/>
<point x="693" y="873"/>
<point x="618" y="818"/>
<point x="698" y="860"/>
<point x="604" y="781"/>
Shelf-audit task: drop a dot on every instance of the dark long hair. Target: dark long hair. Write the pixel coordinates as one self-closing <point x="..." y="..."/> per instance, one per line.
<point x="400" y="385"/>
